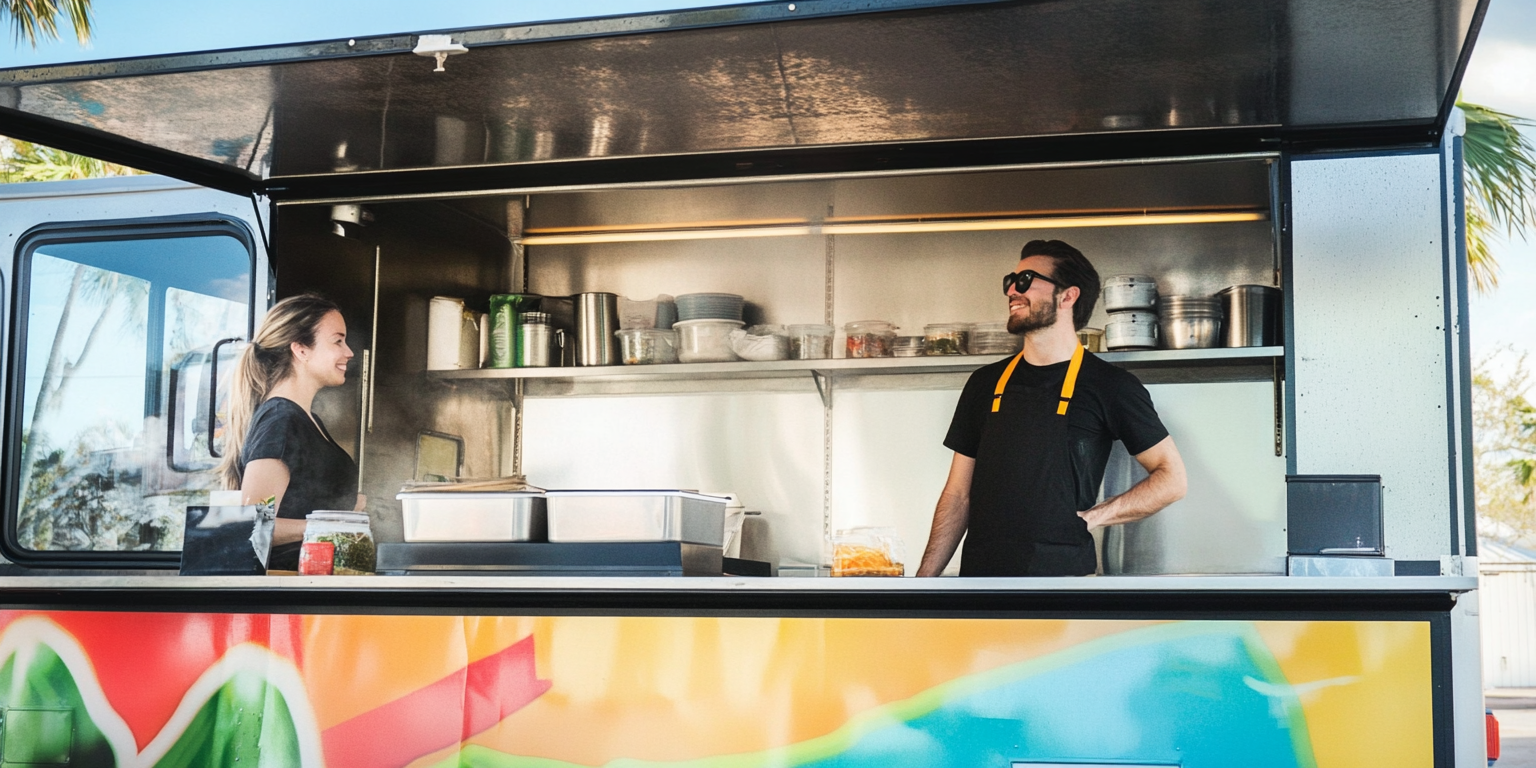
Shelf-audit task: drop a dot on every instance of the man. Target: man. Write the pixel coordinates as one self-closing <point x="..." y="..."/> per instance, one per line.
<point x="1032" y="436"/>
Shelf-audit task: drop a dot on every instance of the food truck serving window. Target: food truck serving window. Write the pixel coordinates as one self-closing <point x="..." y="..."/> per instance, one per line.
<point x="115" y="327"/>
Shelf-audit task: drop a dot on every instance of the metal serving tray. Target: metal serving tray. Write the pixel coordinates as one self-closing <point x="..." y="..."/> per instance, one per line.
<point x="473" y="516"/>
<point x="589" y="516"/>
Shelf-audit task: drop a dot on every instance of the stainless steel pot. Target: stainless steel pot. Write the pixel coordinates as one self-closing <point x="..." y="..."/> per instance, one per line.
<point x="1189" y="322"/>
<point x="1123" y="292"/>
<point x="1131" y="330"/>
<point x="1253" y="316"/>
<point x="1190" y="332"/>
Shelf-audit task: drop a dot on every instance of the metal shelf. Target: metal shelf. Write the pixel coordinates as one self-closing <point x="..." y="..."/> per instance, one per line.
<point x="1164" y="366"/>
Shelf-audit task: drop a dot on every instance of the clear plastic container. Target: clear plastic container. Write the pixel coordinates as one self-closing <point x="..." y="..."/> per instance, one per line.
<point x="761" y="342"/>
<point x="337" y="542"/>
<point x="908" y="346"/>
<point x="868" y="552"/>
<point x="705" y="341"/>
<point x="870" y="338"/>
<point x="946" y="338"/>
<point x="810" y="342"/>
<point x="993" y="339"/>
<point x="647" y="346"/>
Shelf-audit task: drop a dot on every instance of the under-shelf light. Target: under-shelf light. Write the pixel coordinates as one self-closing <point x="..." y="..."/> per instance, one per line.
<point x="654" y="235"/>
<point x="890" y="227"/>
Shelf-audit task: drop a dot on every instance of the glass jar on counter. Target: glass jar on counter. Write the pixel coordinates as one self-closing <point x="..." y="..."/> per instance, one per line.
<point x="946" y="338"/>
<point x="337" y="542"/>
<point x="810" y="342"/>
<point x="870" y="338"/>
<point x="908" y="346"/>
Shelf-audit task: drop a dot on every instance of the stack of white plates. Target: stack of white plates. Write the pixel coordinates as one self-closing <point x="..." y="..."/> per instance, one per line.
<point x="710" y="306"/>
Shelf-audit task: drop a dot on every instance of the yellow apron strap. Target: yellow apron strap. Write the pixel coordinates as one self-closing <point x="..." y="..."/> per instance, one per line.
<point x="997" y="395"/>
<point x="1067" y="387"/>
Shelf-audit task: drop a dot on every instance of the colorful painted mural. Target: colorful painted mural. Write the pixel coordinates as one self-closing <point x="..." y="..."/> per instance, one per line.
<point x="243" y="691"/>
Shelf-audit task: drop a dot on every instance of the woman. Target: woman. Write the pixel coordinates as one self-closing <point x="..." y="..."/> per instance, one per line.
<point x="276" y="446"/>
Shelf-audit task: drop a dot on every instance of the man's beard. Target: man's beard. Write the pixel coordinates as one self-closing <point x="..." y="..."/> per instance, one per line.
<point x="1038" y="316"/>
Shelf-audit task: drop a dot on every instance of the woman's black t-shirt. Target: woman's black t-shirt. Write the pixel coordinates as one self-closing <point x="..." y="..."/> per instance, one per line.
<point x="320" y="474"/>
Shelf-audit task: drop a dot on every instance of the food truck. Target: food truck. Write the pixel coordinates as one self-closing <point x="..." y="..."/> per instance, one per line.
<point x="829" y="162"/>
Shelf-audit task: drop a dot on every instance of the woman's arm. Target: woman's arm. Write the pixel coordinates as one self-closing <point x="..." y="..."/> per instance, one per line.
<point x="268" y="478"/>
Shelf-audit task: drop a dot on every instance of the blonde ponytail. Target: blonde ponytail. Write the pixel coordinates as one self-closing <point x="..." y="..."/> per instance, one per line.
<point x="265" y="362"/>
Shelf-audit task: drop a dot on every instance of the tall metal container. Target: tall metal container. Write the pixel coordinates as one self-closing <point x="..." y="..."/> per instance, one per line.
<point x="597" y="320"/>
<point x="1252" y="316"/>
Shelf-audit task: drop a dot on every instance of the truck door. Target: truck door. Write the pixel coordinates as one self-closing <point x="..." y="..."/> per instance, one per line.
<point x="126" y="303"/>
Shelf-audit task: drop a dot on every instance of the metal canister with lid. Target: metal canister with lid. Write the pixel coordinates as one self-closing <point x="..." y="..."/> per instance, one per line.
<point x="505" y="311"/>
<point x="537" y="340"/>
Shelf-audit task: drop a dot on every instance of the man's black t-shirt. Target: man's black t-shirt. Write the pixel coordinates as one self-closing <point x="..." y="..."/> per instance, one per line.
<point x="1109" y="404"/>
<point x="320" y="474"/>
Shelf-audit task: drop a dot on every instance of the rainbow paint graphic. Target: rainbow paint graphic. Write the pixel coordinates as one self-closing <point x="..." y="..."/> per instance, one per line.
<point x="234" y="690"/>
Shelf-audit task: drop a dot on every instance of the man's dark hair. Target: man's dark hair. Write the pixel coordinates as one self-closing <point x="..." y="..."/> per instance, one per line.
<point x="1072" y="269"/>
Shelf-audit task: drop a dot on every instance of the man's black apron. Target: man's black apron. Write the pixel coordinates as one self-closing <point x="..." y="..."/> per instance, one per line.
<point x="1027" y="524"/>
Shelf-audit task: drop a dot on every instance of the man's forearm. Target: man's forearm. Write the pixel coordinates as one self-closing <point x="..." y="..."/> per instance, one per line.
<point x="1156" y="491"/>
<point x="950" y="518"/>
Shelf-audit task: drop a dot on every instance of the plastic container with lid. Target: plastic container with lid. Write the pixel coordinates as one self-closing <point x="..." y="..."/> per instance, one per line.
<point x="946" y="338"/>
<point x="337" y="542"/>
<point x="870" y="338"/>
<point x="647" y="346"/>
<point x="761" y="343"/>
<point x="705" y="341"/>
<point x="810" y="342"/>
<point x="908" y="346"/>
<point x="868" y="552"/>
<point x="993" y="339"/>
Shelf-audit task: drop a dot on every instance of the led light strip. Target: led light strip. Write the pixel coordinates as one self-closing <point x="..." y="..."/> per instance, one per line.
<point x="894" y="227"/>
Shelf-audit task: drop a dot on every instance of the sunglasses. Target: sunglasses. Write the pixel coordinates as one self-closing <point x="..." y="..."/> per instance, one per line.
<point x="1023" y="279"/>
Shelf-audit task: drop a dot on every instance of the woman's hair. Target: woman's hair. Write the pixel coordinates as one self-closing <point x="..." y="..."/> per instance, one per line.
<point x="267" y="360"/>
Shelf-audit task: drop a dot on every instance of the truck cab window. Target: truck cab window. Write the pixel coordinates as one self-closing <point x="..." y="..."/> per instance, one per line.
<point x="111" y="329"/>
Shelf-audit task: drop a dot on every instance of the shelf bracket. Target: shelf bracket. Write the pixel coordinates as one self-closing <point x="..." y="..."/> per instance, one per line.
<point x="823" y="387"/>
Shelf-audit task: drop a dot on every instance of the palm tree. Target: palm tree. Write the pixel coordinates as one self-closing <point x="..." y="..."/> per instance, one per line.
<point x="25" y="161"/>
<point x="1501" y="186"/>
<point x="37" y="20"/>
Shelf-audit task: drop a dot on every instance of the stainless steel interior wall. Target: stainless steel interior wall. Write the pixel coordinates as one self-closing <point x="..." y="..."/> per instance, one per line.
<point x="765" y="448"/>
<point x="1368" y="260"/>
<point x="1233" y="518"/>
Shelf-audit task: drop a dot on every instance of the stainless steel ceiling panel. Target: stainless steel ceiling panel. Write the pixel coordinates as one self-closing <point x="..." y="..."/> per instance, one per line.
<point x="219" y="115"/>
<point x="1048" y="68"/>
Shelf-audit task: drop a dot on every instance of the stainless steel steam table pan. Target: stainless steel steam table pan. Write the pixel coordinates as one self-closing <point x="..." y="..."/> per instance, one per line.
<point x="580" y="516"/>
<point x="473" y="516"/>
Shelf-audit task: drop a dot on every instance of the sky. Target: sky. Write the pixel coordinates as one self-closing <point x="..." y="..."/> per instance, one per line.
<point x="124" y="28"/>
<point x="1502" y="75"/>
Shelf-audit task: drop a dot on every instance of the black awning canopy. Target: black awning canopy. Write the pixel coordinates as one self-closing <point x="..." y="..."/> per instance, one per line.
<point x="762" y="79"/>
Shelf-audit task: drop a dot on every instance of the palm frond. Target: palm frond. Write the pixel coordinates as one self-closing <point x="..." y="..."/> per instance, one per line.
<point x="34" y="162"/>
<point x="35" y="20"/>
<point x="1501" y="185"/>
